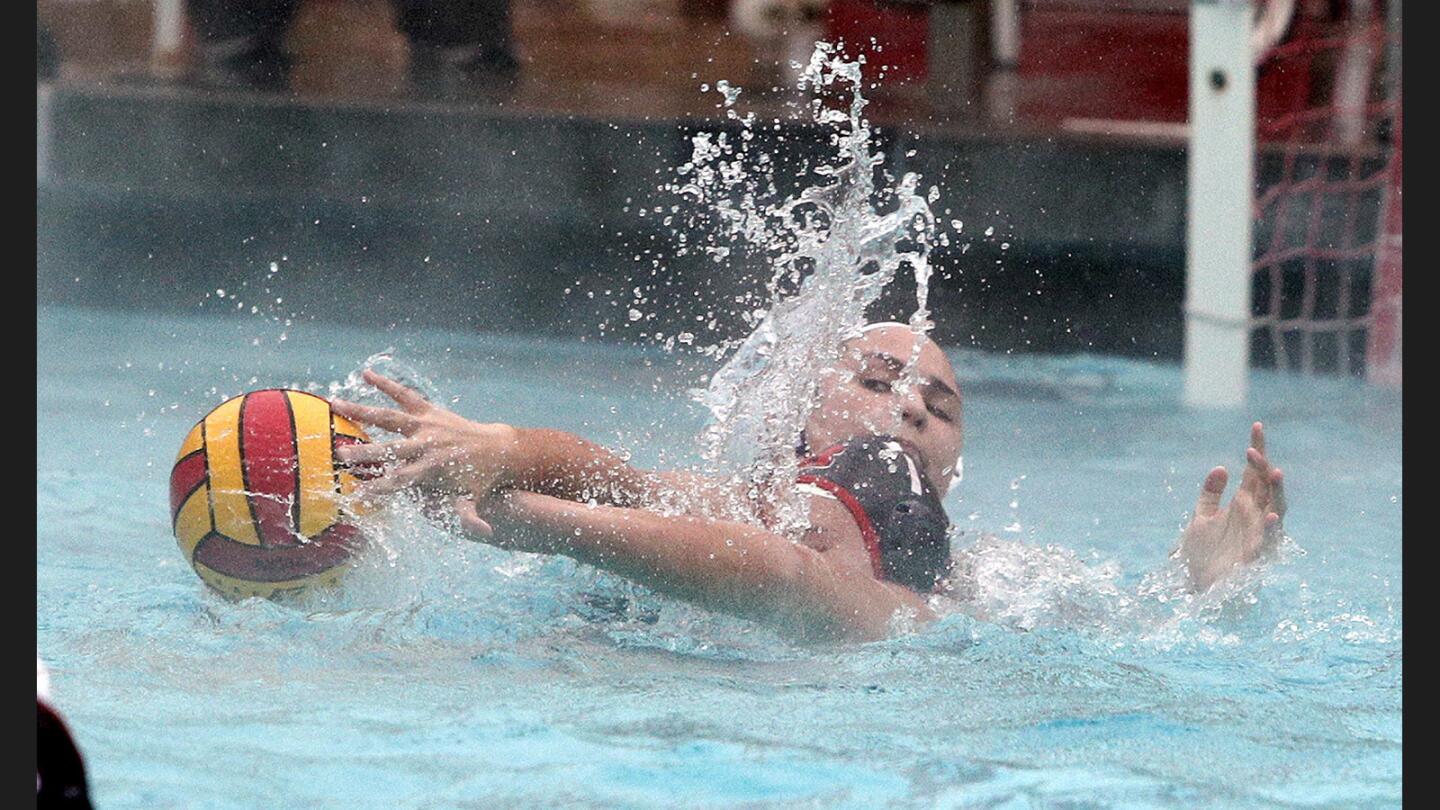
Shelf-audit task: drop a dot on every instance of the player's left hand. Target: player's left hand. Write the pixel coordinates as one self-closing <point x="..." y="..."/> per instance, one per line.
<point x="1220" y="538"/>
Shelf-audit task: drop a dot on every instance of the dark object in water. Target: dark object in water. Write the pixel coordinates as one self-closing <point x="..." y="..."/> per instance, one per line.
<point x="59" y="769"/>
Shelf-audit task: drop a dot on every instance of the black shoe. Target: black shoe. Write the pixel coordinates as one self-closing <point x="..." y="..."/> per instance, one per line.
<point x="462" y="71"/>
<point x="257" y="67"/>
<point x="494" y="63"/>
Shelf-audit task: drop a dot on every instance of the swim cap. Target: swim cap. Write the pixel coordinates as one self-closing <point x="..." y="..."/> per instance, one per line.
<point x="900" y="517"/>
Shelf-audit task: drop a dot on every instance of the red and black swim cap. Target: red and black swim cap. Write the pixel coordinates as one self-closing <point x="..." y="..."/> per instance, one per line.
<point x="899" y="514"/>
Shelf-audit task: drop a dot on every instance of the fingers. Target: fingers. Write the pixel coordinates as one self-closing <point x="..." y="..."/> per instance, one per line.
<point x="427" y="473"/>
<point x="1270" y="535"/>
<point x="393" y="481"/>
<point x="406" y="397"/>
<point x="1277" y="493"/>
<point x="380" y="453"/>
<point x="1208" y="503"/>
<point x="1257" y="437"/>
<point x="1256" y="481"/>
<point x="383" y="418"/>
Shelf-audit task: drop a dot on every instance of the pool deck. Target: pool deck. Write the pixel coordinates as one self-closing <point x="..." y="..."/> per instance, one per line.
<point x="644" y="60"/>
<point x="136" y="163"/>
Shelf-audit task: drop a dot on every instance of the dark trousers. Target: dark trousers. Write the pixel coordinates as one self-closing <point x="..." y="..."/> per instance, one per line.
<point x="261" y="24"/>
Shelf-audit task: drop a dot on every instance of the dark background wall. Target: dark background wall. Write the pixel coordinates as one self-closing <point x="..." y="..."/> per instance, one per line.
<point x="476" y="219"/>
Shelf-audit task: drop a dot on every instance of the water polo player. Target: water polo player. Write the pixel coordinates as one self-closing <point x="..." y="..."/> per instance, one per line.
<point x="881" y="446"/>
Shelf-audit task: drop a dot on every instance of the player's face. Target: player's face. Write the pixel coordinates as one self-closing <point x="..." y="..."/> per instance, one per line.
<point x="871" y="391"/>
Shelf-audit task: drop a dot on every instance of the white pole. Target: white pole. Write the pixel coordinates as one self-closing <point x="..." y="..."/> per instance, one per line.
<point x="1221" y="181"/>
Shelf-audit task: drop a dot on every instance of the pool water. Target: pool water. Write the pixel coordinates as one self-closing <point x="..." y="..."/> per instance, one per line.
<point x="448" y="674"/>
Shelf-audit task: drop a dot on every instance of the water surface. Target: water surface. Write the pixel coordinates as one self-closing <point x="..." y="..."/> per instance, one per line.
<point x="451" y="674"/>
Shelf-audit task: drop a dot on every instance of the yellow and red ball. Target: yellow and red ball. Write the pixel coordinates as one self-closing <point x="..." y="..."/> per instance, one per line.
<point x="256" y="494"/>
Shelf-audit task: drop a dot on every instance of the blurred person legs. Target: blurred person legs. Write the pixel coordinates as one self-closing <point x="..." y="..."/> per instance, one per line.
<point x="455" y="42"/>
<point x="242" y="41"/>
<point x="47" y="55"/>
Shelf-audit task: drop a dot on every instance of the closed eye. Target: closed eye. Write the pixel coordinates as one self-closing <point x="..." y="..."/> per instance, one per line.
<point x="877" y="385"/>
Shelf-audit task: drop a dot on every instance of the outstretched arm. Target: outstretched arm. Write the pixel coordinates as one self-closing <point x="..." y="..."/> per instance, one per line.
<point x="1220" y="538"/>
<point x="730" y="567"/>
<point x="443" y="453"/>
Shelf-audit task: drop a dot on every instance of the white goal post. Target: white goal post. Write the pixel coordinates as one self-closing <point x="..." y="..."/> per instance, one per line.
<point x="1221" y="178"/>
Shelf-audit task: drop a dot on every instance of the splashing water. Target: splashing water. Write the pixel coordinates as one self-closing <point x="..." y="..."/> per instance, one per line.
<point x="831" y="244"/>
<point x="833" y="250"/>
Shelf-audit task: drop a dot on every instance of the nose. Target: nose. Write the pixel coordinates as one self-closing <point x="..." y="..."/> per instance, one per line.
<point x="912" y="410"/>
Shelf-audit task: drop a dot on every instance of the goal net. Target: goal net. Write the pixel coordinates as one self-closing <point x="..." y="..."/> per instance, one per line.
<point x="1326" y="283"/>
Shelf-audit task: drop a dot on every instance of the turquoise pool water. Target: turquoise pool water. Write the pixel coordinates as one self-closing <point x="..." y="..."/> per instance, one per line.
<point x="452" y="675"/>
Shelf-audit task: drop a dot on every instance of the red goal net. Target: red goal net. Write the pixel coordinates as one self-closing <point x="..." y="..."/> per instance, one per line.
<point x="1327" y="266"/>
